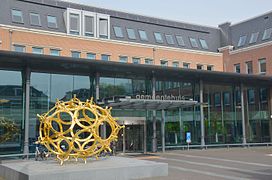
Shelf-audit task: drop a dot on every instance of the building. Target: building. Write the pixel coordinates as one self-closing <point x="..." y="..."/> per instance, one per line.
<point x="53" y="49"/>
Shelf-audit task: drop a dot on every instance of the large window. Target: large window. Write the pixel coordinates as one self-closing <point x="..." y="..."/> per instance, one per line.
<point x="267" y="34"/>
<point x="19" y="48"/>
<point x="226" y="98"/>
<point x="262" y="66"/>
<point x="74" y="24"/>
<point x="251" y="96"/>
<point x="143" y="35"/>
<point x="105" y="57"/>
<point x="158" y="37"/>
<point x="89" y="24"/>
<point x="237" y="68"/>
<point x="37" y="50"/>
<point x="131" y="33"/>
<point x="203" y="44"/>
<point x="123" y="59"/>
<point x="52" y="21"/>
<point x="169" y="39"/>
<point x="180" y="40"/>
<point x="194" y="42"/>
<point x="103" y="28"/>
<point x="35" y="19"/>
<point x="75" y="54"/>
<point x="249" y="67"/>
<point x="17" y="16"/>
<point x="217" y="99"/>
<point x="253" y="37"/>
<point x="242" y="41"/>
<point x="54" y="52"/>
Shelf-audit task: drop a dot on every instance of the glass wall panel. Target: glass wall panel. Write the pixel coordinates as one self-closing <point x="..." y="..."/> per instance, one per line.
<point x="11" y="112"/>
<point x="257" y="115"/>
<point x="46" y="88"/>
<point x="222" y="114"/>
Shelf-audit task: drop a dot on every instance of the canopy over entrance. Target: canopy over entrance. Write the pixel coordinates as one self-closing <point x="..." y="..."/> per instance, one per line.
<point x="148" y="104"/>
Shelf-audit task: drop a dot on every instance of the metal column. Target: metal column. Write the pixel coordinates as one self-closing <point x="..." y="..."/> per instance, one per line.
<point x="97" y="83"/>
<point x="243" y="114"/>
<point x="124" y="140"/>
<point x="202" y="114"/>
<point x="154" y="139"/>
<point x="26" y="79"/>
<point x="163" y="130"/>
<point x="145" y="134"/>
<point x="181" y="127"/>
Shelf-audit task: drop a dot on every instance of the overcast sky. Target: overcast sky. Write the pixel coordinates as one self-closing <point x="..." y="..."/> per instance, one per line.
<point x="205" y="12"/>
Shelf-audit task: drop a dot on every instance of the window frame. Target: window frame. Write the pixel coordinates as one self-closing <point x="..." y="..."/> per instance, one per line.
<point x="90" y="53"/>
<point x="248" y="66"/>
<point x="121" y="30"/>
<point x="47" y="18"/>
<point x="171" y="37"/>
<point x="36" y="47"/>
<point x="164" y="61"/>
<point x="210" y="66"/>
<point x="191" y="39"/>
<point x="200" y="65"/>
<point x="175" y="62"/>
<point x="88" y="14"/>
<point x="74" y="51"/>
<point x="104" y="17"/>
<point x="54" y="49"/>
<point x="181" y="38"/>
<point x="18" y="45"/>
<point x="184" y="65"/>
<point x="261" y="61"/>
<point x="73" y="31"/>
<point x="105" y="55"/>
<point x="22" y="16"/>
<point x="39" y="19"/>
<point x="136" y="58"/>
<point x="133" y="30"/>
<point x="139" y="32"/>
<point x="242" y="41"/>
<point x="203" y="43"/>
<point x="149" y="60"/>
<point x="265" y="36"/>
<point x="156" y="37"/>
<point x="121" y="61"/>
<point x="253" y="37"/>
<point x="236" y="69"/>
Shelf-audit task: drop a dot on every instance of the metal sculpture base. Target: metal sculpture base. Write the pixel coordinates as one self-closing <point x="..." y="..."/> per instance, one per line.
<point x="109" y="168"/>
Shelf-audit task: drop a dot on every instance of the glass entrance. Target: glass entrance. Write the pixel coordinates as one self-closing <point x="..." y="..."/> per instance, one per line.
<point x="134" y="138"/>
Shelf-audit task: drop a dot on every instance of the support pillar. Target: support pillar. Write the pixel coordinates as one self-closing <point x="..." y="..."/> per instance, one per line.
<point x="26" y="81"/>
<point x="243" y="114"/>
<point x="202" y="114"/>
<point x="154" y="138"/>
<point x="163" y="130"/>
<point x="124" y="140"/>
<point x="270" y="112"/>
<point x="97" y="84"/>
<point x="145" y="136"/>
<point x="181" y="127"/>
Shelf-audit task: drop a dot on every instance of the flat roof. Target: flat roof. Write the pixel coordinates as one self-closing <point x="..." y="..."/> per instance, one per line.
<point x="78" y="66"/>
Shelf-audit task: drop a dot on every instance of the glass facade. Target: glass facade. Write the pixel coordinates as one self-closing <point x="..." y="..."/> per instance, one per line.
<point x="11" y="112"/>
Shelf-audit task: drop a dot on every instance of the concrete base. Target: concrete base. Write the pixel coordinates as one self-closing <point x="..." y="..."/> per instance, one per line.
<point x="110" y="168"/>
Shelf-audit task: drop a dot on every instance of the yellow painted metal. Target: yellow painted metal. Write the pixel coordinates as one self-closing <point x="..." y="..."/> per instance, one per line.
<point x="71" y="129"/>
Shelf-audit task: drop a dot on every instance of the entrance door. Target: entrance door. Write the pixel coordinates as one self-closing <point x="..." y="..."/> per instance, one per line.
<point x="134" y="138"/>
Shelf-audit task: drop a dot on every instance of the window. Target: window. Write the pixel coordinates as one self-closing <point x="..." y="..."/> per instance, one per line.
<point x="263" y="94"/>
<point x="19" y="48"/>
<point x="169" y="39"/>
<point x="52" y="22"/>
<point x="91" y="56"/>
<point x="74" y="24"/>
<point x="186" y="65"/>
<point x="148" y="61"/>
<point x="253" y="37"/>
<point x="37" y="50"/>
<point x="89" y="25"/>
<point x="226" y="98"/>
<point x="193" y="42"/>
<point x="217" y="99"/>
<point x="136" y="60"/>
<point x="251" y="96"/>
<point x="175" y="64"/>
<point x="267" y="34"/>
<point x="143" y="35"/>
<point x="35" y="19"/>
<point x="75" y="54"/>
<point x="180" y="40"/>
<point x="105" y="57"/>
<point x="199" y="66"/>
<point x="131" y="33"/>
<point x="164" y="63"/>
<point x="54" y="52"/>
<point x="237" y="68"/>
<point x="118" y="32"/>
<point x="249" y="67"/>
<point x="242" y="41"/>
<point x="103" y="28"/>
<point x="17" y="16"/>
<point x="210" y="67"/>
<point x="262" y="66"/>
<point x="158" y="37"/>
<point x="203" y="44"/>
<point x="123" y="59"/>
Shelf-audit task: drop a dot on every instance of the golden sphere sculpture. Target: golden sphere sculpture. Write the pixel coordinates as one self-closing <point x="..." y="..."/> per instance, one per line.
<point x="71" y="129"/>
